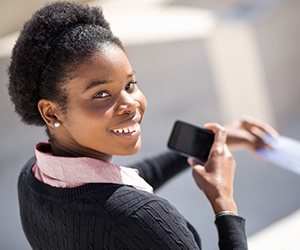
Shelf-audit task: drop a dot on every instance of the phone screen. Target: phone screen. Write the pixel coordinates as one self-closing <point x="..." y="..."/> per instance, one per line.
<point x="190" y="140"/>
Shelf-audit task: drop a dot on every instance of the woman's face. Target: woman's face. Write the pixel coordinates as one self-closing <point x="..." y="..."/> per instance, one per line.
<point x="104" y="107"/>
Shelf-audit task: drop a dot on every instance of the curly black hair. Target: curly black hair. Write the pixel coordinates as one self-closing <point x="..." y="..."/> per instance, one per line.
<point x="58" y="37"/>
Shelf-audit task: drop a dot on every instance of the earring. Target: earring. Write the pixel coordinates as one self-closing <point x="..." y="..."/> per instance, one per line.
<point x="56" y="124"/>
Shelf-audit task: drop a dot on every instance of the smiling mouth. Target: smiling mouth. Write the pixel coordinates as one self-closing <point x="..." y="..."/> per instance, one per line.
<point x="127" y="130"/>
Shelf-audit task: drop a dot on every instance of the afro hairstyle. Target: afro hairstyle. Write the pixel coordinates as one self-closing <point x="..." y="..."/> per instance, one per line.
<point x="51" y="43"/>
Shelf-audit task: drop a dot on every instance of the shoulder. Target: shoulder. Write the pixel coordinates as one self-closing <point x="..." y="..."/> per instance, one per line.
<point x="121" y="201"/>
<point x="146" y="221"/>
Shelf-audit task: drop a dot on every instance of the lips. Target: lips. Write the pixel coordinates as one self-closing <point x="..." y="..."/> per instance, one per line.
<point x="129" y="129"/>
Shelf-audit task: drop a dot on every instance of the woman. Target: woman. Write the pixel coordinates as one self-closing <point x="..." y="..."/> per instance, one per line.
<point x="70" y="73"/>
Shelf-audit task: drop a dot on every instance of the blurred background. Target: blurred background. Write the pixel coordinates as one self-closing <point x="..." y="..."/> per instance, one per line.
<point x="198" y="61"/>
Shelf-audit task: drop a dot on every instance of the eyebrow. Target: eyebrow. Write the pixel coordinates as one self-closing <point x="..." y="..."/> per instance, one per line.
<point x="131" y="74"/>
<point x="97" y="83"/>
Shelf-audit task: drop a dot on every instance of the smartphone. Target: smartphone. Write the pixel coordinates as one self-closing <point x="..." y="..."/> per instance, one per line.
<point x="190" y="140"/>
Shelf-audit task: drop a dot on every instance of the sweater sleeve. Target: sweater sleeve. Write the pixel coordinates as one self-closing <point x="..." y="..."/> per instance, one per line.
<point x="159" y="169"/>
<point x="231" y="230"/>
<point x="158" y="225"/>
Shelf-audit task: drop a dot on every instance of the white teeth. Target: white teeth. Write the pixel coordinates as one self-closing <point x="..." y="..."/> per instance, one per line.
<point x="125" y="130"/>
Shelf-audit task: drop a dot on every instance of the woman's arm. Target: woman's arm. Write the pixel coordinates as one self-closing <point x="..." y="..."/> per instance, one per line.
<point x="155" y="225"/>
<point x="159" y="169"/>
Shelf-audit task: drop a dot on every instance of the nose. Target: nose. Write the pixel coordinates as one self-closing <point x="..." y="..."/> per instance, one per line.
<point x="127" y="104"/>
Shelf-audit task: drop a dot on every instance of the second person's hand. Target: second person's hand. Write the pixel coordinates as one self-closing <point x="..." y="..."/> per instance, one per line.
<point x="248" y="132"/>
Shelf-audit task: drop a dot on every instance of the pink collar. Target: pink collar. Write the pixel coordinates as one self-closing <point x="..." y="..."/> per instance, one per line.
<point x="68" y="172"/>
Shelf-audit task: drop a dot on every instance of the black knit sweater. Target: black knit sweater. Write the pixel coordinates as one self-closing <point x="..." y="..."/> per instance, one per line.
<point x="111" y="216"/>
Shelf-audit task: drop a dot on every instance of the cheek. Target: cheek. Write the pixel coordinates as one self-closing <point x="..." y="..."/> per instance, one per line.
<point x="88" y="119"/>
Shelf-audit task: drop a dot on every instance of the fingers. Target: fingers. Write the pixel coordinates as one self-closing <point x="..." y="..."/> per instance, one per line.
<point x="219" y="153"/>
<point x="258" y="127"/>
<point x="257" y="130"/>
<point x="194" y="161"/>
<point x="218" y="145"/>
<point x="220" y="135"/>
<point x="199" y="174"/>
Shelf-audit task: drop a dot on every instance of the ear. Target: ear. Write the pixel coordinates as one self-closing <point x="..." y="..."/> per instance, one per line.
<point x="49" y="111"/>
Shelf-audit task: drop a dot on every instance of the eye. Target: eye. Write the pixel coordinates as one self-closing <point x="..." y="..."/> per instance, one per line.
<point x="130" y="85"/>
<point x="102" y="94"/>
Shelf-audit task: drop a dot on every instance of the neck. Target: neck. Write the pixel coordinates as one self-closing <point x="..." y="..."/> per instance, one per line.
<point x="59" y="149"/>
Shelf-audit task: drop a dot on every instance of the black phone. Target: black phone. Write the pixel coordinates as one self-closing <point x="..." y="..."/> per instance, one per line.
<point x="190" y="140"/>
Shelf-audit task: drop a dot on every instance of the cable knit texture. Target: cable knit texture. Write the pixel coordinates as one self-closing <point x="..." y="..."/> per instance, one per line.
<point x="111" y="216"/>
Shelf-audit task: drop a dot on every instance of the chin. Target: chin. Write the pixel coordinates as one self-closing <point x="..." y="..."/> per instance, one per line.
<point x="131" y="151"/>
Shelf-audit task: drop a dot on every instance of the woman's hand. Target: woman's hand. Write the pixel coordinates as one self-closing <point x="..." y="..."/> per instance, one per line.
<point x="247" y="132"/>
<point x="216" y="177"/>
